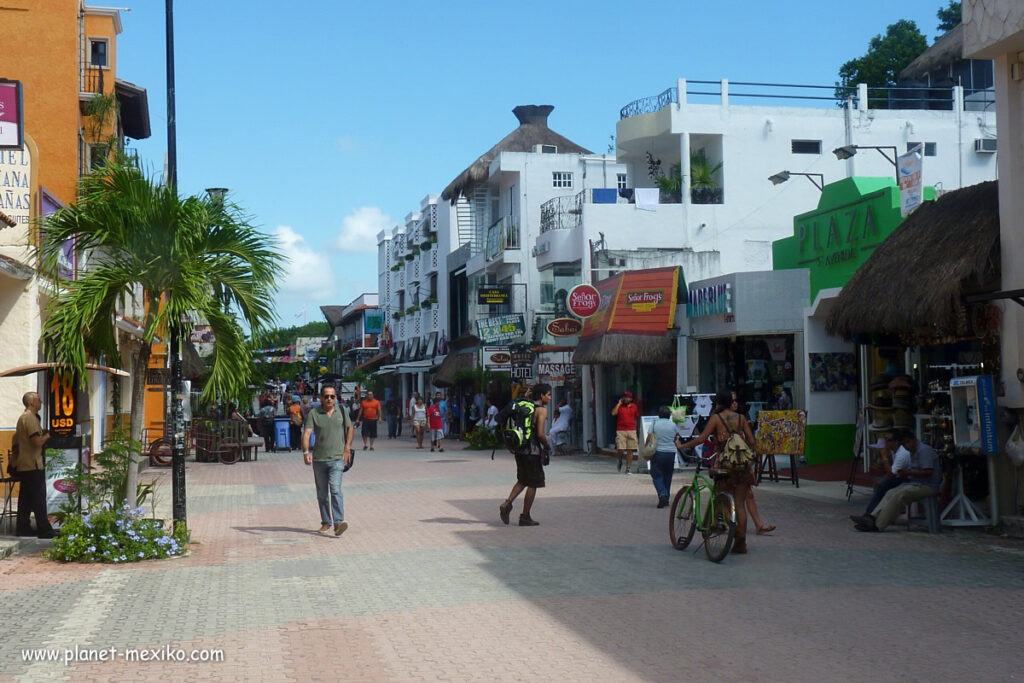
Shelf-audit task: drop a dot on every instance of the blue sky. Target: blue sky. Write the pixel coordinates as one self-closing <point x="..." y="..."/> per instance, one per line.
<point x="329" y="121"/>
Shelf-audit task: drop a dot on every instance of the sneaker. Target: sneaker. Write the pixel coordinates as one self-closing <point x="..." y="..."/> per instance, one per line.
<point x="324" y="528"/>
<point x="525" y="520"/>
<point x="365" y="446"/>
<point x="663" y="503"/>
<point x="431" y="449"/>
<point x="627" y="470"/>
<point x="503" y="511"/>
<point x="441" y="450"/>
<point x="339" y="528"/>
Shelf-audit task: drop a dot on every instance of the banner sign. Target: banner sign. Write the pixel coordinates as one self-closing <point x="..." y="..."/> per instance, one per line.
<point x="494" y="294"/>
<point x="501" y="328"/>
<point x="11" y="128"/>
<point x="908" y="169"/>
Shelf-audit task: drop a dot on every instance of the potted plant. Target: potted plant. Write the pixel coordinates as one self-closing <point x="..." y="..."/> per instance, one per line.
<point x="704" y="187"/>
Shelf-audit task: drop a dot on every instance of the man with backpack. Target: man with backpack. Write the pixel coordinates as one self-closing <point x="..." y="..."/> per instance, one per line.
<point x="522" y="428"/>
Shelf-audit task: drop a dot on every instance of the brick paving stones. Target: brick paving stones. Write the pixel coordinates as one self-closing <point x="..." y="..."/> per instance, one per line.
<point x="427" y="584"/>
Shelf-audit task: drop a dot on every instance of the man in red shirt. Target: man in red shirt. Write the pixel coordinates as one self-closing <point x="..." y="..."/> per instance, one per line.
<point x="625" y="412"/>
<point x="369" y="415"/>
<point x="435" y="422"/>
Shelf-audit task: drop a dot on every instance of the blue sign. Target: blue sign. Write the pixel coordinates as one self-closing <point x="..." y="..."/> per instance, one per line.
<point x="987" y="414"/>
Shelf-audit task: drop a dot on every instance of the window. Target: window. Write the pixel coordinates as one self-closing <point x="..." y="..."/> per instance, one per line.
<point x="561" y="179"/>
<point x="98" y="52"/>
<point x="806" y="146"/>
<point x="620" y="181"/>
<point x="930" y="148"/>
<point x="97" y="154"/>
<point x="549" y="149"/>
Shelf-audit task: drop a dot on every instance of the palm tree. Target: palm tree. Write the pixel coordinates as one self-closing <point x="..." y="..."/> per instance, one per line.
<point x="190" y="257"/>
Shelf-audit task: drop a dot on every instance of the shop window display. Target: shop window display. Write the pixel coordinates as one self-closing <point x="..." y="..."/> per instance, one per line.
<point x="759" y="368"/>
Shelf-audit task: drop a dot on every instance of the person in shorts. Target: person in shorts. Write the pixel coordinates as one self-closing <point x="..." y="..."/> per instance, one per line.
<point x="530" y="461"/>
<point x="625" y="413"/>
<point x="435" y="422"/>
<point x="418" y="415"/>
<point x="370" y="415"/>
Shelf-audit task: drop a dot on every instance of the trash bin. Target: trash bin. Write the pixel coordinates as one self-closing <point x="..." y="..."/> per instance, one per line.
<point x="282" y="440"/>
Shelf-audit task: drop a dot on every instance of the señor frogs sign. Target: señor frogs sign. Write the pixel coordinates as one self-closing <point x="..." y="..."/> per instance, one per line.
<point x="583" y="300"/>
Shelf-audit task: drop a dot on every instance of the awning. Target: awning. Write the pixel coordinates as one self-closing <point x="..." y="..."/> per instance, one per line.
<point x="625" y="348"/>
<point x="941" y="254"/>
<point x="431" y="347"/>
<point x="23" y="370"/>
<point x="399" y="352"/>
<point x="414" y="348"/>
<point x="14" y="268"/>
<point x="453" y="363"/>
<point x="414" y="367"/>
<point x="379" y="358"/>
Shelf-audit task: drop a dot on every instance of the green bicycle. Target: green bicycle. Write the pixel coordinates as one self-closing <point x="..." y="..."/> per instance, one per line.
<point x="716" y="519"/>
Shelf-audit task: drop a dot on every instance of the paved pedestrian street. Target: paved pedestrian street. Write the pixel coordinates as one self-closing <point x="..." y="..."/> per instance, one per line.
<point x="427" y="584"/>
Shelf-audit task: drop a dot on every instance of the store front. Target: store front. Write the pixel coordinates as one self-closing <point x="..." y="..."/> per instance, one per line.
<point x="629" y="344"/>
<point x="940" y="328"/>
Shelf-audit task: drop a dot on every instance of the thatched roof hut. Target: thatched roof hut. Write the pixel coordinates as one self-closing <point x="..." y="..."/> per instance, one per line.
<point x="947" y="49"/>
<point x="532" y="131"/>
<point x="913" y="285"/>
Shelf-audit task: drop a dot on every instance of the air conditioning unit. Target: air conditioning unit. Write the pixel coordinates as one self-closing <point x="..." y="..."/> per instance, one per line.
<point x="985" y="145"/>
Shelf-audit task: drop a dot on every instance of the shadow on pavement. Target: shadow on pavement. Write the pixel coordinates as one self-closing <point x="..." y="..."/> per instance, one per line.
<point x="260" y="529"/>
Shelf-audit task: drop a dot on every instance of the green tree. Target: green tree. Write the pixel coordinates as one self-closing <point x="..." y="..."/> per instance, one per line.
<point x="191" y="258"/>
<point x="949" y="16"/>
<point x="886" y="56"/>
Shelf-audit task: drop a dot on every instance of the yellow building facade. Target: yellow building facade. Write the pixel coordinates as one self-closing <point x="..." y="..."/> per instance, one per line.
<point x="64" y="54"/>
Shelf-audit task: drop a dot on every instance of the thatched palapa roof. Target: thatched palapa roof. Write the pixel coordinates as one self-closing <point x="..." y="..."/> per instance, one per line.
<point x="948" y="48"/>
<point x="913" y="285"/>
<point x="532" y="131"/>
<point x="625" y="348"/>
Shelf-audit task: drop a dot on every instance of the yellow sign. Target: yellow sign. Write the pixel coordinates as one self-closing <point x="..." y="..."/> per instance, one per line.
<point x="63" y="417"/>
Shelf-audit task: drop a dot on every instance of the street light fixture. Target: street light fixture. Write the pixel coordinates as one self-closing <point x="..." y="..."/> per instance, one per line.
<point x="847" y="151"/>
<point x="817" y="179"/>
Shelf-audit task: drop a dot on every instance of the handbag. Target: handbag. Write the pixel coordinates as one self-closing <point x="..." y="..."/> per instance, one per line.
<point x="650" y="446"/>
<point x="678" y="410"/>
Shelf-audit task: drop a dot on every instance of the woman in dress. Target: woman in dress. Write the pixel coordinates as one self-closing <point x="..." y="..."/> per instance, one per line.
<point x="419" y="420"/>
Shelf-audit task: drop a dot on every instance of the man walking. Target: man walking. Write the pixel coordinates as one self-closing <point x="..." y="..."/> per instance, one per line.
<point x="370" y="415"/>
<point x="29" y="438"/>
<point x="626" y="443"/>
<point x="529" y="461"/>
<point x="435" y="423"/>
<point x="332" y="451"/>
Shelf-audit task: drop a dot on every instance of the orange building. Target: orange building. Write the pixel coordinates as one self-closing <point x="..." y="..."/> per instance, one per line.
<point x="74" y="108"/>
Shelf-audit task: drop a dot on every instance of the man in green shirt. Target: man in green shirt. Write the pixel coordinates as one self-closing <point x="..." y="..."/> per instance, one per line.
<point x="332" y="451"/>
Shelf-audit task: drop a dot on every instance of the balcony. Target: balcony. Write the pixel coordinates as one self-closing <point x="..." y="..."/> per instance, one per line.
<point x="431" y="319"/>
<point x="399" y="279"/>
<point x="92" y="80"/>
<point x="503" y="234"/>
<point x="431" y="259"/>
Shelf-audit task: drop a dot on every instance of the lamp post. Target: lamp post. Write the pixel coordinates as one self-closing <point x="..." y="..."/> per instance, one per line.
<point x="847" y="151"/>
<point x="816" y="179"/>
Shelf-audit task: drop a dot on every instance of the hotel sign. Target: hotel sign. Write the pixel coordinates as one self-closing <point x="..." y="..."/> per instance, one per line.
<point x="492" y="295"/>
<point x="709" y="300"/>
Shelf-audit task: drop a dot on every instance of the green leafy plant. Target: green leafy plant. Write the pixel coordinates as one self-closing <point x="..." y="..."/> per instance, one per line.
<point x="429" y="301"/>
<point x="397" y="315"/>
<point x="414" y="251"/>
<point x="482" y="439"/>
<point x="116" y="534"/>
<point x="704" y="186"/>
<point x="427" y="244"/>
<point x="394" y="268"/>
<point x="412" y="309"/>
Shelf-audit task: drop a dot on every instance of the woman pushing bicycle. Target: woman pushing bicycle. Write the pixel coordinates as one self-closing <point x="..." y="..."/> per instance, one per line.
<point x="724" y="423"/>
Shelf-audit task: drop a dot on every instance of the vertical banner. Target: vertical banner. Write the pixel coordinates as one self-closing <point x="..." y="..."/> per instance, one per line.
<point x="908" y="169"/>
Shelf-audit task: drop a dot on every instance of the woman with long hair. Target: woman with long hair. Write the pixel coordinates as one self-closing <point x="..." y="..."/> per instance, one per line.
<point x="723" y="422"/>
<point x="419" y="420"/>
<point x="759" y="526"/>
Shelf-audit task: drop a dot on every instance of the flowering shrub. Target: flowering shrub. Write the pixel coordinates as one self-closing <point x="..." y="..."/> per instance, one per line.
<point x="109" y="534"/>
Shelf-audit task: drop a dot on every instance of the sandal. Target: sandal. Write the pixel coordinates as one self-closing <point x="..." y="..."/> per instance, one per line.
<point x="766" y="529"/>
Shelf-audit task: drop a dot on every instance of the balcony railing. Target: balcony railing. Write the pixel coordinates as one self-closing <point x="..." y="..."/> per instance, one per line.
<point x="896" y="97"/>
<point x="503" y="234"/>
<point x="562" y="213"/>
<point x="92" y="80"/>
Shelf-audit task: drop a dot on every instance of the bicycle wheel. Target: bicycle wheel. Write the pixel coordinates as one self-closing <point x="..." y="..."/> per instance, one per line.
<point x="161" y="453"/>
<point x="681" y="521"/>
<point x="721" y="527"/>
<point x="229" y="453"/>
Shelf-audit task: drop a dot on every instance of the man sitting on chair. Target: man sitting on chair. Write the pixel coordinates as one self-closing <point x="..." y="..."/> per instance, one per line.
<point x="923" y="476"/>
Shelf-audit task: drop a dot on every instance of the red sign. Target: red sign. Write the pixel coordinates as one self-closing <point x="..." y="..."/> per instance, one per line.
<point x="583" y="300"/>
<point x="10" y="114"/>
<point x="564" y="327"/>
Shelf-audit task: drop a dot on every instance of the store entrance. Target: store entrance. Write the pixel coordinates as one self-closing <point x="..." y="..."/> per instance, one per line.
<point x="759" y="368"/>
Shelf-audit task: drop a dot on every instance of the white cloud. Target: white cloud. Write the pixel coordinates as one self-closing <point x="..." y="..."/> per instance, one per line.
<point x="308" y="271"/>
<point x="359" y="230"/>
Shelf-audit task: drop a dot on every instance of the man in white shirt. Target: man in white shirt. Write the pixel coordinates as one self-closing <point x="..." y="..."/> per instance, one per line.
<point x="900" y="461"/>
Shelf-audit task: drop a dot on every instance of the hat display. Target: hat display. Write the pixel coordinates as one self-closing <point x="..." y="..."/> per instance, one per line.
<point x="903" y="398"/>
<point x="902" y="382"/>
<point x="882" y="419"/>
<point x="881" y="399"/>
<point x="902" y="419"/>
<point x="879" y="382"/>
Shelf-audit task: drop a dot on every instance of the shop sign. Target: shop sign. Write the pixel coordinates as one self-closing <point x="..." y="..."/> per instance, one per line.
<point x="563" y="327"/>
<point x="522" y="372"/>
<point x="709" y="300"/>
<point x="522" y="357"/>
<point x="493" y="295"/>
<point x="583" y="300"/>
<point x="11" y="128"/>
<point x="497" y="358"/>
<point x="908" y="170"/>
<point x="556" y="369"/>
<point x="63" y="408"/>
<point x="644" y="301"/>
<point x="837" y="236"/>
<point x="501" y="328"/>
<point x="16" y="185"/>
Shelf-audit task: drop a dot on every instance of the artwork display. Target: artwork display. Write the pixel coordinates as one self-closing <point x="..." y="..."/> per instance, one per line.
<point x="780" y="432"/>
<point x="832" y="371"/>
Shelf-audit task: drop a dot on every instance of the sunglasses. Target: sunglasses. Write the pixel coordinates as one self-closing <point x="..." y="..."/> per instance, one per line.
<point x="329" y="396"/>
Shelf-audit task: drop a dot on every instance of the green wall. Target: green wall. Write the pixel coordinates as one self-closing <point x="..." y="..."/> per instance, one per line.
<point x="829" y="443"/>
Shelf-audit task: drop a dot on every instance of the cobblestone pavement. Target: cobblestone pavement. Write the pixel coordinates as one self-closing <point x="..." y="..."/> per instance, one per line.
<point x="428" y="584"/>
